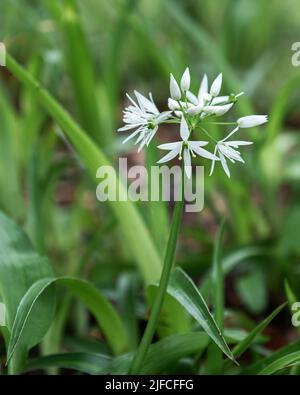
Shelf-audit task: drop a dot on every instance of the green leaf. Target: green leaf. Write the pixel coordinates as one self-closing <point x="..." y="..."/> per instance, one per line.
<point x="281" y="363"/>
<point x="245" y="343"/>
<point x="20" y="267"/>
<point x="264" y="362"/>
<point x="164" y="353"/>
<point x="182" y="288"/>
<point x="90" y="363"/>
<point x="103" y="311"/>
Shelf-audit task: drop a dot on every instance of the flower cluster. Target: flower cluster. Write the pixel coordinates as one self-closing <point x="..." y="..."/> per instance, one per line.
<point x="194" y="113"/>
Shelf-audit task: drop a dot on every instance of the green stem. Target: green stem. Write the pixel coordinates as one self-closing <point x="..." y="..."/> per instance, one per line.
<point x="162" y="288"/>
<point x="219" y="123"/>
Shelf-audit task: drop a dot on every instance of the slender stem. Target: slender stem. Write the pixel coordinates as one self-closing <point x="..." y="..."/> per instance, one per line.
<point x="162" y="288"/>
<point x="206" y="132"/>
<point x="219" y="123"/>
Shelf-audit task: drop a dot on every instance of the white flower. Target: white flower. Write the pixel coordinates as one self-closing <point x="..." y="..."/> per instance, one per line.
<point x="215" y="88"/>
<point x="252" y="120"/>
<point x="226" y="149"/>
<point x="174" y="88"/>
<point x="185" y="148"/>
<point x="185" y="80"/>
<point x="144" y="117"/>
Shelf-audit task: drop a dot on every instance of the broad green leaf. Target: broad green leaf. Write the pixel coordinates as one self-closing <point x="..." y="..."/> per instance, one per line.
<point x="182" y="288"/>
<point x="20" y="267"/>
<point x="281" y="363"/>
<point x="164" y="353"/>
<point x="134" y="230"/>
<point x="103" y="311"/>
<point x="90" y="363"/>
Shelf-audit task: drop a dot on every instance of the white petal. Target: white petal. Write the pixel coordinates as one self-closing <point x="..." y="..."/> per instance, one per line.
<point x="192" y="98"/>
<point x="207" y="97"/>
<point x="132" y="101"/>
<point x="178" y="114"/>
<point x="145" y="103"/>
<point x="163" y="116"/>
<point x="203" y="87"/>
<point x="204" y="153"/>
<point x="173" y="104"/>
<point x="184" y="129"/>
<point x="187" y="162"/>
<point x="219" y="100"/>
<point x="230" y="153"/>
<point x="252" y="120"/>
<point x="195" y="110"/>
<point x="213" y="162"/>
<point x="216" y="86"/>
<point x="171" y="155"/>
<point x="170" y="146"/>
<point x="224" y="165"/>
<point x="132" y="135"/>
<point x="196" y="144"/>
<point x="128" y="127"/>
<point x="174" y="88"/>
<point x="217" y="110"/>
<point x="236" y="143"/>
<point x="185" y="80"/>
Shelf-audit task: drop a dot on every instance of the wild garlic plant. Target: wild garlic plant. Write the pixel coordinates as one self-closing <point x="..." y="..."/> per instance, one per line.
<point x="194" y="114"/>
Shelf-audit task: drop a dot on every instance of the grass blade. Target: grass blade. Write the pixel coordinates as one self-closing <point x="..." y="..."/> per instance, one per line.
<point x="245" y="344"/>
<point x="281" y="363"/>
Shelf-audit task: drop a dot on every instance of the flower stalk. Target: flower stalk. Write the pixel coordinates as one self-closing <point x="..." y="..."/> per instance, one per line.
<point x="162" y="287"/>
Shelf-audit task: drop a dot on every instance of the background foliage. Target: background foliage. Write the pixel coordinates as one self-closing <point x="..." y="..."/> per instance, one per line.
<point x="100" y="258"/>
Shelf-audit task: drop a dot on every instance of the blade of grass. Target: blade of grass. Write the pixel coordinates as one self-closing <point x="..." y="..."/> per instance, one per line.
<point x="80" y="67"/>
<point x="281" y="363"/>
<point x="246" y="343"/>
<point x="265" y="362"/>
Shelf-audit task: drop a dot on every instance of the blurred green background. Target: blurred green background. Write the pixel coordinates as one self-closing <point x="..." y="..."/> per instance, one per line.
<point x="88" y="53"/>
